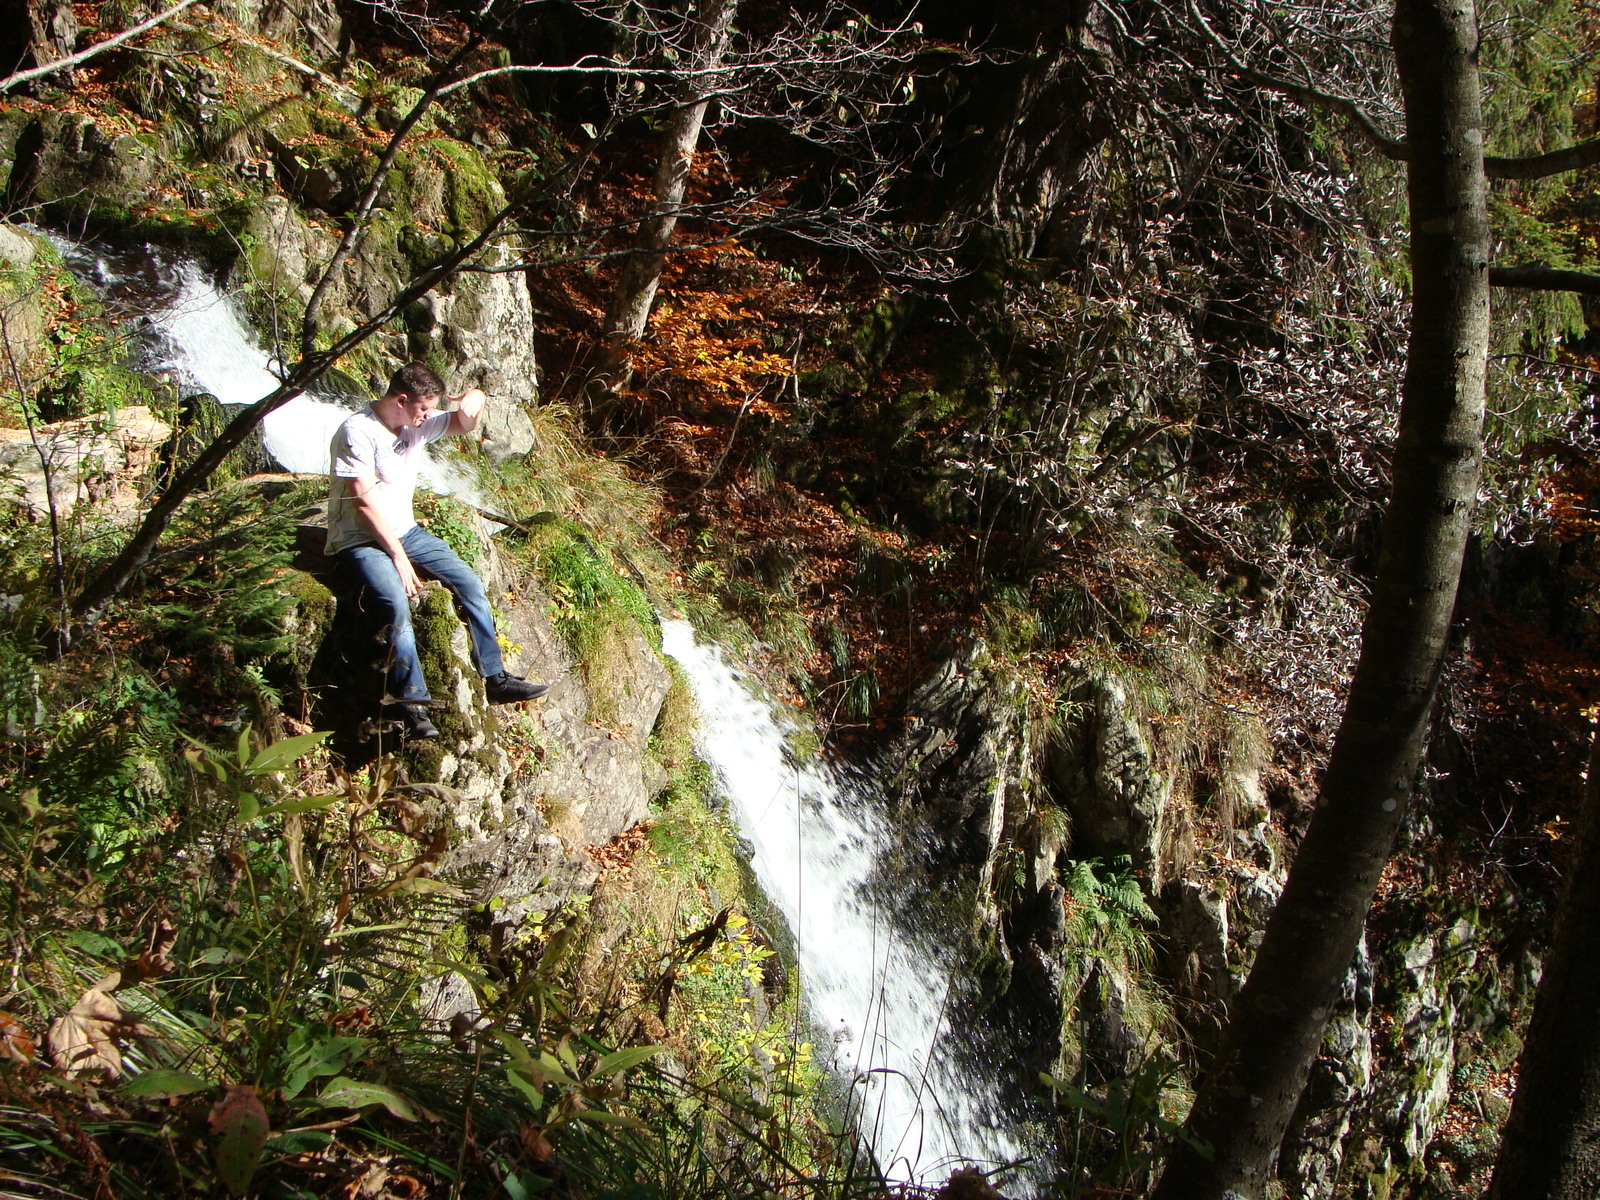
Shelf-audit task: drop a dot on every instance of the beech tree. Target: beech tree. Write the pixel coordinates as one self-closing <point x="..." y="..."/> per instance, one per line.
<point x="1551" y="1146"/>
<point x="1275" y="1028"/>
<point x="712" y="24"/>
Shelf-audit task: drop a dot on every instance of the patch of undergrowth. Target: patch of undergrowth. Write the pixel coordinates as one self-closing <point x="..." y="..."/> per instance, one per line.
<point x="681" y="944"/>
<point x="222" y="953"/>
<point x="451" y="521"/>
<point x="60" y="357"/>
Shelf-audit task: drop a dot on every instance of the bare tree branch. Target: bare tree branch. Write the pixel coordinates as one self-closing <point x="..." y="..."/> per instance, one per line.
<point x="82" y="56"/>
<point x="1539" y="166"/>
<point x="1545" y="279"/>
<point x="1304" y="92"/>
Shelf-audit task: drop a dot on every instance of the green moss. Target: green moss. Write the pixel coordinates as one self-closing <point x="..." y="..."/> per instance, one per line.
<point x="472" y="192"/>
<point x="435" y="621"/>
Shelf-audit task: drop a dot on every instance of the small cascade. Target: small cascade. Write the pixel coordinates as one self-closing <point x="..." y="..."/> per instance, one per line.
<point x="188" y="327"/>
<point x="878" y="988"/>
<point x="209" y="346"/>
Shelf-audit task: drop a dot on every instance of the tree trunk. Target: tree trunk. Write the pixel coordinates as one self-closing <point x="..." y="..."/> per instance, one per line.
<point x="1246" y="1101"/>
<point x="641" y="272"/>
<point x="1551" y="1146"/>
<point x="55" y="32"/>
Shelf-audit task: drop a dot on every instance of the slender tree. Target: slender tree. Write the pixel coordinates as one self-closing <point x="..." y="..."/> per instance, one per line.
<point x="1276" y="1025"/>
<point x="712" y="24"/>
<point x="1275" y="1028"/>
<point x="1551" y="1146"/>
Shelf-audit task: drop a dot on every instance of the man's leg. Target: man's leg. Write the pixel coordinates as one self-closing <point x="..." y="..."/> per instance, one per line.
<point x="382" y="596"/>
<point x="434" y="559"/>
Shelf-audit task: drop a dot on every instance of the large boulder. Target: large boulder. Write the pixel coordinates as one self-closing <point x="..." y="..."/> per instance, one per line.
<point x="528" y="789"/>
<point x="1100" y="768"/>
<point x="103" y="460"/>
<point x="481" y="323"/>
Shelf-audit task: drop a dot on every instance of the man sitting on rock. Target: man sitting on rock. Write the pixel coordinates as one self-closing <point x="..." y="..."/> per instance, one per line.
<point x="376" y="542"/>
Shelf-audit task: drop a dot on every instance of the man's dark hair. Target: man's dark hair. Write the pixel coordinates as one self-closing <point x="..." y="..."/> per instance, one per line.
<point x="416" y="381"/>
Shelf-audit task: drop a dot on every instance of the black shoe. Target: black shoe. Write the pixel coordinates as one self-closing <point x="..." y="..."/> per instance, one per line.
<point x="506" y="688"/>
<point x="414" y="723"/>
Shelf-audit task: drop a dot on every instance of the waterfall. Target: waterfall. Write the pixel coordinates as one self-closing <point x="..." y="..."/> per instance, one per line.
<point x="876" y="990"/>
<point x="209" y="346"/>
<point x="190" y="329"/>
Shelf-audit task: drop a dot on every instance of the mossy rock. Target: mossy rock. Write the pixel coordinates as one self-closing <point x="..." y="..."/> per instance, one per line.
<point x="72" y="164"/>
<point x="306" y="625"/>
<point x="434" y="618"/>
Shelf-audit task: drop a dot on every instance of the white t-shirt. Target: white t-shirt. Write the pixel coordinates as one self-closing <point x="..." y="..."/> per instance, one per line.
<point x="364" y="448"/>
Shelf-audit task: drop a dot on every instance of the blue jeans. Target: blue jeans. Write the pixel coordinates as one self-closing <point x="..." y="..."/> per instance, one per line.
<point x="382" y="595"/>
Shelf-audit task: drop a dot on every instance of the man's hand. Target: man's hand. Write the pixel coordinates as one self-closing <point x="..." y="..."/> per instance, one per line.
<point x="408" y="574"/>
<point x="468" y="411"/>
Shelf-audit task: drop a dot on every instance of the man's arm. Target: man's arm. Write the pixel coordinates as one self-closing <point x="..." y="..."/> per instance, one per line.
<point x="372" y="517"/>
<point x="468" y="412"/>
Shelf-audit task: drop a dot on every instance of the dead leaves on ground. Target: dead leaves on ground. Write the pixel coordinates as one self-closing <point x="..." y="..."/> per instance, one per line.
<point x="88" y="1037"/>
<point x="16" y="1043"/>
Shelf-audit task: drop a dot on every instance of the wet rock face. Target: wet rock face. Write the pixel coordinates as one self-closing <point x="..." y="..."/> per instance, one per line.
<point x="963" y="752"/>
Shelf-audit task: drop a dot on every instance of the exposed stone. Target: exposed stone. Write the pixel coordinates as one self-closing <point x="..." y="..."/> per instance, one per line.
<point x="22" y="321"/>
<point x="65" y="157"/>
<point x="1341" y="1078"/>
<point x="484" y="323"/>
<point x="1412" y="1100"/>
<point x="1194" y="940"/>
<point x="961" y="754"/>
<point x="533" y="785"/>
<point x="95" y="459"/>
<point x="1110" y="1043"/>
<point x="1103" y="773"/>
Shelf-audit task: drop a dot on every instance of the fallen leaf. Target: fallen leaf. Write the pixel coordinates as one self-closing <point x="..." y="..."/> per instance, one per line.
<point x="86" y="1038"/>
<point x="535" y="1143"/>
<point x="239" y="1124"/>
<point x="153" y="963"/>
<point x="16" y="1044"/>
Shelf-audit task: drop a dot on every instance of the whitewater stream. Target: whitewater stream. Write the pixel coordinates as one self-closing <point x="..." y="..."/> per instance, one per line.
<point x="186" y="328"/>
<point x="878" y="989"/>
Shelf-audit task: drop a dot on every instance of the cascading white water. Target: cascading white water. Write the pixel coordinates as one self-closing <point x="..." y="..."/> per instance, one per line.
<point x="201" y="336"/>
<point x="211" y="347"/>
<point x="881" y="995"/>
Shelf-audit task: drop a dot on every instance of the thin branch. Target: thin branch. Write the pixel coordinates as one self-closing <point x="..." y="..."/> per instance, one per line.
<point x="1538" y="166"/>
<point x="1545" y="279"/>
<point x="82" y="56"/>
<point x="46" y="465"/>
<point x="1347" y="108"/>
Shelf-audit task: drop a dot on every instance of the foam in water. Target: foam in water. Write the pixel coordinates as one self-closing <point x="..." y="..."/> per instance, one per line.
<point x="882" y="999"/>
<point x="203" y="340"/>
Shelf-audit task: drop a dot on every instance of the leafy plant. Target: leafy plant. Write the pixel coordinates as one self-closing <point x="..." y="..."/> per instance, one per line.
<point x="1106" y="908"/>
<point x="1119" y="1134"/>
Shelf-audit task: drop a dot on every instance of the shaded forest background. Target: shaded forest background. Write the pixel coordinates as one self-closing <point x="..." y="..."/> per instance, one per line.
<point x="1054" y="331"/>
